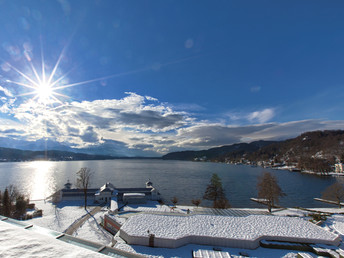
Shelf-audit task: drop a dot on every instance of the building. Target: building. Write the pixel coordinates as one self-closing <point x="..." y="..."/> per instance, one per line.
<point x="174" y="231"/>
<point x="105" y="193"/>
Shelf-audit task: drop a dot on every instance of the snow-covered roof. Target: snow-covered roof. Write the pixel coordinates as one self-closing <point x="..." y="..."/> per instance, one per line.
<point x="231" y="229"/>
<point x="19" y="242"/>
<point x="134" y="195"/>
<point x="107" y="187"/>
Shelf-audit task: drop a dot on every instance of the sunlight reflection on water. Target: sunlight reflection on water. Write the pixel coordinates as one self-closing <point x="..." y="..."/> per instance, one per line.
<point x="185" y="180"/>
<point x="42" y="181"/>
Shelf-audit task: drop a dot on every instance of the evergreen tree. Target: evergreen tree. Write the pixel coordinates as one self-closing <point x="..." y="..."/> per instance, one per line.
<point x="216" y="193"/>
<point x="6" y="204"/>
<point x="21" y="204"/>
<point x="269" y="189"/>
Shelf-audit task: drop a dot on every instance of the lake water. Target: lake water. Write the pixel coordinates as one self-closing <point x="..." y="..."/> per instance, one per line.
<point x="183" y="179"/>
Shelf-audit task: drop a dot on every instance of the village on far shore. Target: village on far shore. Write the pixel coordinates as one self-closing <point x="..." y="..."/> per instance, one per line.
<point x="336" y="170"/>
<point x="134" y="222"/>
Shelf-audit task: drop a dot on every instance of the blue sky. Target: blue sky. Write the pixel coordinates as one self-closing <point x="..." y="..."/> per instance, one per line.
<point x="150" y="77"/>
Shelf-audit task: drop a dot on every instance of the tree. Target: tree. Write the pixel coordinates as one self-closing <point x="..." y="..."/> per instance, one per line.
<point x="174" y="200"/>
<point x="6" y="204"/>
<point x="216" y="193"/>
<point x="196" y="202"/>
<point x="13" y="193"/>
<point x="269" y="189"/>
<point x="334" y="192"/>
<point x="21" y="205"/>
<point x="83" y="181"/>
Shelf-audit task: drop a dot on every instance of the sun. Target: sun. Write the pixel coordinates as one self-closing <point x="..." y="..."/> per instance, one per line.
<point x="45" y="84"/>
<point x="42" y="84"/>
<point x="44" y="92"/>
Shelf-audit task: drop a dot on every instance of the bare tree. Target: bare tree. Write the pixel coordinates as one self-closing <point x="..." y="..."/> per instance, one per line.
<point x="83" y="181"/>
<point x="216" y="193"/>
<point x="174" y="200"/>
<point x="13" y="193"/>
<point x="269" y="189"/>
<point x="334" y="192"/>
<point x="196" y="202"/>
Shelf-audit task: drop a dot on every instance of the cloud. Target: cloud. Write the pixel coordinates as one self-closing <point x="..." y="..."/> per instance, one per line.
<point x="255" y="89"/>
<point x="89" y="135"/>
<point x="84" y="124"/>
<point x="140" y="125"/>
<point x="261" y="116"/>
<point x="209" y="135"/>
<point x="6" y="92"/>
<point x="7" y="98"/>
<point x="152" y="120"/>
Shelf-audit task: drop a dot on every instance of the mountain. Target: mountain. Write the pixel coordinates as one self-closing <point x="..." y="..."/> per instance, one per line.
<point x="314" y="151"/>
<point x="235" y="150"/>
<point x="9" y="154"/>
<point x="107" y="148"/>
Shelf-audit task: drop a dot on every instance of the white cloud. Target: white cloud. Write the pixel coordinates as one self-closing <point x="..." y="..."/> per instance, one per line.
<point x="85" y="123"/>
<point x="6" y="92"/>
<point x="134" y="124"/>
<point x="261" y="116"/>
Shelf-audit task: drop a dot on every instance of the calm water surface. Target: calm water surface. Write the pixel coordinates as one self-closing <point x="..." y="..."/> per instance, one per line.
<point x="183" y="179"/>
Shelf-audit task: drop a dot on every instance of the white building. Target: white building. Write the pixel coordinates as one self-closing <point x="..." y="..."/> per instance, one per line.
<point x="105" y="193"/>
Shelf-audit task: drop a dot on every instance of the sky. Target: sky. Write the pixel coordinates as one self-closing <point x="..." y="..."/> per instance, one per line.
<point x="144" y="78"/>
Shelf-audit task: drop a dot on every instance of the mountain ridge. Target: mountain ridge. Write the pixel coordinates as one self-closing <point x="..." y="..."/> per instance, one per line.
<point x="313" y="151"/>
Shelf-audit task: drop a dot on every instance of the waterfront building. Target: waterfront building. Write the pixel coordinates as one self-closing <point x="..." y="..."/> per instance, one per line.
<point x="105" y="193"/>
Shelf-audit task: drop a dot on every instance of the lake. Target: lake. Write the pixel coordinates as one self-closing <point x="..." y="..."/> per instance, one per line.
<point x="184" y="179"/>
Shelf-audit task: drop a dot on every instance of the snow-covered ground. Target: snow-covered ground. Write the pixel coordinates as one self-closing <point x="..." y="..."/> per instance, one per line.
<point x="93" y="231"/>
<point x="60" y="217"/>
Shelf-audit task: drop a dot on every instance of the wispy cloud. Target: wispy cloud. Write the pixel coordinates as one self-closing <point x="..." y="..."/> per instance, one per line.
<point x="255" y="89"/>
<point x="261" y="116"/>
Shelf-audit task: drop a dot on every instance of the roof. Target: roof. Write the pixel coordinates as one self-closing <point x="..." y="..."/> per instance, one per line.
<point x="134" y="195"/>
<point x="226" y="229"/>
<point x="134" y="190"/>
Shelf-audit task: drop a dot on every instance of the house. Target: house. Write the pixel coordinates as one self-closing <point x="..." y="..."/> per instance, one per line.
<point x="104" y="194"/>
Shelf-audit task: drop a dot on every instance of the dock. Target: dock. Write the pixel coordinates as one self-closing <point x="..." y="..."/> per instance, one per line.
<point x="258" y="200"/>
<point x="328" y="201"/>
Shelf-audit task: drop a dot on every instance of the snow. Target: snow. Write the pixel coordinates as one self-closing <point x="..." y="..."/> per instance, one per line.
<point x="186" y="251"/>
<point x="93" y="231"/>
<point x="60" y="217"/>
<point x="19" y="242"/>
<point x="153" y="207"/>
<point x="248" y="228"/>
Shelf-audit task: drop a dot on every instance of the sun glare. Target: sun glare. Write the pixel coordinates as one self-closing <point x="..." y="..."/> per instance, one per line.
<point x="44" y="84"/>
<point x="44" y="92"/>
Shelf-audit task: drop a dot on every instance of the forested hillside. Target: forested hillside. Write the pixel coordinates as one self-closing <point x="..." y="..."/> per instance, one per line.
<point x="314" y="151"/>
